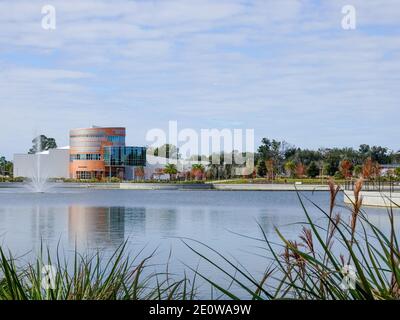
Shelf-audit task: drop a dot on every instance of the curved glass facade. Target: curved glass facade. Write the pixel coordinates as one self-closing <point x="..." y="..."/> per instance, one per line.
<point x="101" y="152"/>
<point x="87" y="150"/>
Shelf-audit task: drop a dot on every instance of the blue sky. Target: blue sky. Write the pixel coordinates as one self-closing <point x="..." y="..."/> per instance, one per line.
<point x="284" y="68"/>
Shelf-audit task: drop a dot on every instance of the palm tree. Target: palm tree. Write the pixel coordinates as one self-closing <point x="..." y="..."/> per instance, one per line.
<point x="139" y="172"/>
<point x="171" y="170"/>
<point x="197" y="171"/>
<point x="290" y="168"/>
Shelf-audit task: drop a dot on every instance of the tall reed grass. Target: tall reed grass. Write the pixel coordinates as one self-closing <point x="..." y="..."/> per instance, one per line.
<point x="336" y="258"/>
<point x="119" y="277"/>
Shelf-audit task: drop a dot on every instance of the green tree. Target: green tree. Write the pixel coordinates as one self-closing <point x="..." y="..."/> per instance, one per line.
<point x="357" y="170"/>
<point x="171" y="170"/>
<point x="6" y="167"/>
<point x="332" y="158"/>
<point x="338" y="175"/>
<point x="198" y="166"/>
<point x="312" y="170"/>
<point x="42" y="143"/>
<point x="168" y="151"/>
<point x="380" y="155"/>
<point x="397" y="172"/>
<point x="272" y="150"/>
<point x="261" y="168"/>
<point x="290" y="168"/>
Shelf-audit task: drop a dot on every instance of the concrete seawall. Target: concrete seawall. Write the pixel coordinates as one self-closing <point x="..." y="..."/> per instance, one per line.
<point x="181" y="186"/>
<point x="200" y="186"/>
<point x="269" y="187"/>
<point x="165" y="186"/>
<point x="374" y="198"/>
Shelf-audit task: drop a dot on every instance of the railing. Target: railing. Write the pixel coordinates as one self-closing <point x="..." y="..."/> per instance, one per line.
<point x="375" y="185"/>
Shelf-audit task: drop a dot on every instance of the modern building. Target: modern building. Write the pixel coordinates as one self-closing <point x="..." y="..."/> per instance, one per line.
<point x="98" y="152"/>
<point x="53" y="163"/>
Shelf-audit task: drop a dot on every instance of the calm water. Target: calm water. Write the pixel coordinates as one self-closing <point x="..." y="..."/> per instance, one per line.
<point x="102" y="219"/>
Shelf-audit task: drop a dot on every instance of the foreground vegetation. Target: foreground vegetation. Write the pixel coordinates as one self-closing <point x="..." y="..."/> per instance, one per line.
<point x="337" y="256"/>
<point x="341" y="256"/>
<point x="92" y="278"/>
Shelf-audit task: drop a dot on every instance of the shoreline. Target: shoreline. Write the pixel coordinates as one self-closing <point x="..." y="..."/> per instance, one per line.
<point x="183" y="186"/>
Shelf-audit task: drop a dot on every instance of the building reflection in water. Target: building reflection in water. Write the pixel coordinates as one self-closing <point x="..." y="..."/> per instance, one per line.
<point x="110" y="226"/>
<point x="43" y="222"/>
<point x="96" y="226"/>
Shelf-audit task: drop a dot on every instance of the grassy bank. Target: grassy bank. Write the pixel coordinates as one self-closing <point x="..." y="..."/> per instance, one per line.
<point x="337" y="256"/>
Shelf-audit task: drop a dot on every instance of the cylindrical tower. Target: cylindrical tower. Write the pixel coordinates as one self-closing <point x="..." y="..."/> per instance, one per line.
<point x="87" y="150"/>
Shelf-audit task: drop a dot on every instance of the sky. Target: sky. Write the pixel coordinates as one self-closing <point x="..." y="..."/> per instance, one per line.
<point x="285" y="68"/>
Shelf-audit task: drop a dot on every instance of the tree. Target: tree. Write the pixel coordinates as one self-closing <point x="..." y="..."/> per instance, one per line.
<point x="380" y="155"/>
<point x="171" y="170"/>
<point x="270" y="169"/>
<point x="300" y="170"/>
<point x="271" y="149"/>
<point x="332" y="160"/>
<point x="357" y="170"/>
<point x="364" y="151"/>
<point x="397" y="173"/>
<point x="139" y="172"/>
<point x="6" y="167"/>
<point x="168" y="151"/>
<point x="367" y="168"/>
<point x="307" y="156"/>
<point x="42" y="143"/>
<point x="345" y="168"/>
<point x="312" y="170"/>
<point x="261" y="168"/>
<point x="290" y="167"/>
<point x="219" y="167"/>
<point x="371" y="169"/>
<point x="197" y="171"/>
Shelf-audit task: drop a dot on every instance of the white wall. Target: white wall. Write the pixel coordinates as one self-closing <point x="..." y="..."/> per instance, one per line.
<point x="51" y="164"/>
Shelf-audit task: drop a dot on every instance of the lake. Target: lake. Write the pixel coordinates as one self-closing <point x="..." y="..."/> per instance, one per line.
<point x="149" y="220"/>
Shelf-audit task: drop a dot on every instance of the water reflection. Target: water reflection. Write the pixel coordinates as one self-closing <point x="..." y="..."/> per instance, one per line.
<point x="43" y="220"/>
<point x="96" y="226"/>
<point x="103" y="219"/>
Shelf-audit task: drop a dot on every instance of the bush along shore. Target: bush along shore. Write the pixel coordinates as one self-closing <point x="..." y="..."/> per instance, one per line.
<point x="340" y="256"/>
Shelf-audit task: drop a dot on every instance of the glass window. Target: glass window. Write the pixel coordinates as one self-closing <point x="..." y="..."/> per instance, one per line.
<point x="125" y="156"/>
<point x="89" y="156"/>
<point x="120" y="140"/>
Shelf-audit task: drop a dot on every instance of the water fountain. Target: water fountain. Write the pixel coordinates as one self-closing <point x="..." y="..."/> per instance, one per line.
<point x="39" y="177"/>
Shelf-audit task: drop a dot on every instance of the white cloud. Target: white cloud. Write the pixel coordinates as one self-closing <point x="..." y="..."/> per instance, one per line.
<point x="285" y="68"/>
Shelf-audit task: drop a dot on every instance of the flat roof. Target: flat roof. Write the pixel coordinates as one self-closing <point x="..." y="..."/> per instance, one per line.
<point x="98" y="127"/>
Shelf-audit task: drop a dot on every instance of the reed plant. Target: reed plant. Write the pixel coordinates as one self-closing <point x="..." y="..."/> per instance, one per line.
<point x="89" y="277"/>
<point x="342" y="256"/>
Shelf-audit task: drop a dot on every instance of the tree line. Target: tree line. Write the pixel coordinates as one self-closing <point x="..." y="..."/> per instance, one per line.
<point x="280" y="158"/>
<point x="275" y="158"/>
<point x="272" y="159"/>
